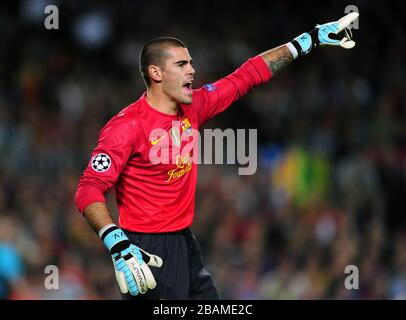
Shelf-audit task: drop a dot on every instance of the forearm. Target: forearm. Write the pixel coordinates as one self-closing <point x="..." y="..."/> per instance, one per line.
<point x="98" y="215"/>
<point x="337" y="33"/>
<point x="277" y="58"/>
<point x="131" y="263"/>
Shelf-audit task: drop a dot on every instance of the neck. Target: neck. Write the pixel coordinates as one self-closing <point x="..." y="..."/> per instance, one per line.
<point x="160" y="101"/>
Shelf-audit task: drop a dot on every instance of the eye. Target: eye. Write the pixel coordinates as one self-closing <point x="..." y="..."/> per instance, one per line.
<point x="183" y="63"/>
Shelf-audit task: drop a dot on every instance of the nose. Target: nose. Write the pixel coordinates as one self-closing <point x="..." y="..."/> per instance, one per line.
<point x="191" y="70"/>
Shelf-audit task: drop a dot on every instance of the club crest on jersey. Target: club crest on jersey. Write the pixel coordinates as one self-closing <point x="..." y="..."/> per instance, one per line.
<point x="186" y="126"/>
<point x="175" y="136"/>
<point x="101" y="162"/>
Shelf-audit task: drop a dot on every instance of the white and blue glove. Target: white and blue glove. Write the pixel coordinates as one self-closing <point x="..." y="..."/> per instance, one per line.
<point x="335" y="33"/>
<point x="131" y="263"/>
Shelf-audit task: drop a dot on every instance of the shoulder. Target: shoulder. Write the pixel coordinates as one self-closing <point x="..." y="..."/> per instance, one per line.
<point x="201" y="95"/>
<point x="127" y="117"/>
<point x="123" y="125"/>
<point x="203" y="91"/>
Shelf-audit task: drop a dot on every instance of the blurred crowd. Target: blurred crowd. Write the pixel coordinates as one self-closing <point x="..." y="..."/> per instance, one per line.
<point x="329" y="191"/>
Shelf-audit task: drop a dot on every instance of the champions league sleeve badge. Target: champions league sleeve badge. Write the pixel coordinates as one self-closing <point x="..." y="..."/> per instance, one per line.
<point x="101" y="162"/>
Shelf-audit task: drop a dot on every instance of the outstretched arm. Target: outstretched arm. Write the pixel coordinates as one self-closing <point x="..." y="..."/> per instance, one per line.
<point x="335" y="33"/>
<point x="218" y="96"/>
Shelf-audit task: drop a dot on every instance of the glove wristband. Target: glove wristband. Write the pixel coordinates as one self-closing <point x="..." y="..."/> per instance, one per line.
<point x="306" y="42"/>
<point x="113" y="237"/>
<point x="293" y="50"/>
<point x="105" y="228"/>
<point x="303" y="43"/>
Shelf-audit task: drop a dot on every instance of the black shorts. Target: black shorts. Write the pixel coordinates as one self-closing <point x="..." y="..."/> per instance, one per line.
<point x="182" y="275"/>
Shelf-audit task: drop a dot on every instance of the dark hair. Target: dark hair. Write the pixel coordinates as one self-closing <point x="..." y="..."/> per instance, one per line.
<point x="154" y="52"/>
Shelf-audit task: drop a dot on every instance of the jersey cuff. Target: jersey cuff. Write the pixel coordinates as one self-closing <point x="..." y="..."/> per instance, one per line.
<point x="262" y="68"/>
<point x="83" y="202"/>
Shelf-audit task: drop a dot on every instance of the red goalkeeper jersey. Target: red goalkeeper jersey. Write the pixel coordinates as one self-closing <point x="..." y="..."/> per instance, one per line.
<point x="147" y="156"/>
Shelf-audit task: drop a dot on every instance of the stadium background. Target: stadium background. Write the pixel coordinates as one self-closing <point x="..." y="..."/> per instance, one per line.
<point x="330" y="187"/>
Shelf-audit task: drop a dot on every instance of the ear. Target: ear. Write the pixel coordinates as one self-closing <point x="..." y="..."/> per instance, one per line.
<point x="155" y="73"/>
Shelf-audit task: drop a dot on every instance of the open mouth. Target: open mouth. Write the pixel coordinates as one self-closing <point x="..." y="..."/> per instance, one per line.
<point x="188" y="86"/>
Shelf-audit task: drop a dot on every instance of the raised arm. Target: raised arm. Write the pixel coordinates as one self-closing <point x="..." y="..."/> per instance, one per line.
<point x="335" y="33"/>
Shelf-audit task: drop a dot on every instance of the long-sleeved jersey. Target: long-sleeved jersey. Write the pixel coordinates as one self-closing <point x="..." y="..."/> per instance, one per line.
<point x="148" y="156"/>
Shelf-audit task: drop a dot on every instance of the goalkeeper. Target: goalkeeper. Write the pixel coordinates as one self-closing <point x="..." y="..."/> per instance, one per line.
<point x="154" y="253"/>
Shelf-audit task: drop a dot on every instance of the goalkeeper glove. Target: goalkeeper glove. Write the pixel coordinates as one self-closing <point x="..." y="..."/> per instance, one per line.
<point x="130" y="262"/>
<point x="335" y="33"/>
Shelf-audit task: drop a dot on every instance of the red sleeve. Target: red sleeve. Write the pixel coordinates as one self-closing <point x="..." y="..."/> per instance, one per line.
<point x="108" y="159"/>
<point x="220" y="95"/>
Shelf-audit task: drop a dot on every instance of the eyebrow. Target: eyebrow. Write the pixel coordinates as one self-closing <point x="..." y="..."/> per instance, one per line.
<point x="182" y="62"/>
